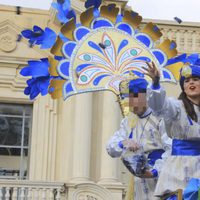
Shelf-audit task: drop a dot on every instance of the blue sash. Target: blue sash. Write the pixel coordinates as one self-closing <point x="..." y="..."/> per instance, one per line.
<point x="155" y="155"/>
<point x="185" y="147"/>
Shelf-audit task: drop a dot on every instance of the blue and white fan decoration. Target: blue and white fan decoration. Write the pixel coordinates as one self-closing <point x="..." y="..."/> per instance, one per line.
<point x="95" y="54"/>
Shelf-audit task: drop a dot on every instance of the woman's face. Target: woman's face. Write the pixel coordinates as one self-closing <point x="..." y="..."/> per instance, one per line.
<point x="191" y="87"/>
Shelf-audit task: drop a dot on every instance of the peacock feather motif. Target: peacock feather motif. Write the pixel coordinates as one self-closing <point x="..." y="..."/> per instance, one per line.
<point x="99" y="52"/>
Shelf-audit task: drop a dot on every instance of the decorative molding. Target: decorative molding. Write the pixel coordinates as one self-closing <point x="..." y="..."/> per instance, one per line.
<point x="78" y="6"/>
<point x="7" y="36"/>
<point x="186" y="38"/>
<point x="186" y="35"/>
<point x="87" y="197"/>
<point x="44" y="128"/>
<point x="89" y="191"/>
<point x="12" y="9"/>
<point x="24" y="189"/>
<point x="10" y="77"/>
<point x="7" y="42"/>
<point x="7" y="25"/>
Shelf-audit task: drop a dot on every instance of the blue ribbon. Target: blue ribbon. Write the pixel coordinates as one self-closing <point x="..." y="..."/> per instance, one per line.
<point x="185" y="148"/>
<point x="155" y="155"/>
<point x="192" y="189"/>
<point x="173" y="197"/>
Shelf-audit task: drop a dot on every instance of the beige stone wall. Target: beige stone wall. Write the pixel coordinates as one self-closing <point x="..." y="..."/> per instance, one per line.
<point x="69" y="137"/>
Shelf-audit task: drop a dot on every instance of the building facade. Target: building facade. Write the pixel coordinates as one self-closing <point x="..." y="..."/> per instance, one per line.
<point x="55" y="149"/>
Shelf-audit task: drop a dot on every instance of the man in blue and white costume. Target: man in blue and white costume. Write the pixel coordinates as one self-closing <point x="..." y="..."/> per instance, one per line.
<point x="146" y="134"/>
<point x="182" y="121"/>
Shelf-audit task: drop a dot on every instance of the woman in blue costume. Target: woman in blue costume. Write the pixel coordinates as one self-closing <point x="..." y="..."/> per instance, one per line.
<point x="182" y="121"/>
<point x="148" y="134"/>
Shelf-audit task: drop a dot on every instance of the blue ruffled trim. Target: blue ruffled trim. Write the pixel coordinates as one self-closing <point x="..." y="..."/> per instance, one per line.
<point x="120" y="144"/>
<point x="155" y="87"/>
<point x="154" y="172"/>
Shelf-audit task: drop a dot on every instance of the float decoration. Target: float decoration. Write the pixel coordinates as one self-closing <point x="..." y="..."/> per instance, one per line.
<point x="97" y="53"/>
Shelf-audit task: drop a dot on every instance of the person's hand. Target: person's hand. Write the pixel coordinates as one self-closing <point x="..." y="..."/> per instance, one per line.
<point x="147" y="174"/>
<point x="130" y="145"/>
<point x="152" y="72"/>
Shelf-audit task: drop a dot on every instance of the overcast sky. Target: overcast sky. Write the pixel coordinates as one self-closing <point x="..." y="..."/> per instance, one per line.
<point x="186" y="10"/>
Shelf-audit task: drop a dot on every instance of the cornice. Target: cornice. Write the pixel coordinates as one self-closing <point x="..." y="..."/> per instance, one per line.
<point x="172" y="23"/>
<point x="10" y="78"/>
<point x="78" y="6"/>
<point x="12" y="9"/>
<point x="180" y="32"/>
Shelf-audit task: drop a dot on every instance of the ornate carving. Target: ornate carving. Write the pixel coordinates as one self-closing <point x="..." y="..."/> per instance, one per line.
<point x="91" y="191"/>
<point x="7" y="42"/>
<point x="87" y="197"/>
<point x="81" y="197"/>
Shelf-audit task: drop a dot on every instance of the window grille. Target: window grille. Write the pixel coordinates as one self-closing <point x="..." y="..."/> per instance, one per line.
<point x="15" y="129"/>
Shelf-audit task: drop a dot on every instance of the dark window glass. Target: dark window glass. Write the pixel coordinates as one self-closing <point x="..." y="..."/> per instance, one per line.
<point x="15" y="129"/>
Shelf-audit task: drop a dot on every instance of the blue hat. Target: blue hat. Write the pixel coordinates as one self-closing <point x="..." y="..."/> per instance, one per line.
<point x="189" y="71"/>
<point x="191" y="68"/>
<point x="138" y="85"/>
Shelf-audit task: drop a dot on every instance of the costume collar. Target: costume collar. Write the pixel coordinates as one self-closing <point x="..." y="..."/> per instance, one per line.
<point x="147" y="113"/>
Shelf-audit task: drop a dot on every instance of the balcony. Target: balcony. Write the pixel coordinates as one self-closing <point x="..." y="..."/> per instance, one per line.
<point x="31" y="190"/>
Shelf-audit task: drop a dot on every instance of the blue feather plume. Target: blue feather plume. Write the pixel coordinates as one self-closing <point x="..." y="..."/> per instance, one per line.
<point x="95" y="3"/>
<point x="37" y="86"/>
<point x="40" y="77"/>
<point x="46" y="38"/>
<point x="177" y="59"/>
<point x="65" y="12"/>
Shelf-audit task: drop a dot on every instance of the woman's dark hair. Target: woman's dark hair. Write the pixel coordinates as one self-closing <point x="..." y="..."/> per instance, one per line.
<point x="189" y="107"/>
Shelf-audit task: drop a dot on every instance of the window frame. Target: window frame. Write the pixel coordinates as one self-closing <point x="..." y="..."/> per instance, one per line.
<point x="21" y="171"/>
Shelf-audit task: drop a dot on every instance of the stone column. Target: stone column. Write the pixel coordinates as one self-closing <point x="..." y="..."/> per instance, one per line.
<point x="194" y="36"/>
<point x="82" y="138"/>
<point x="64" y="150"/>
<point x="185" y="48"/>
<point x="43" y="139"/>
<point x="73" y="142"/>
<point x="110" y="114"/>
